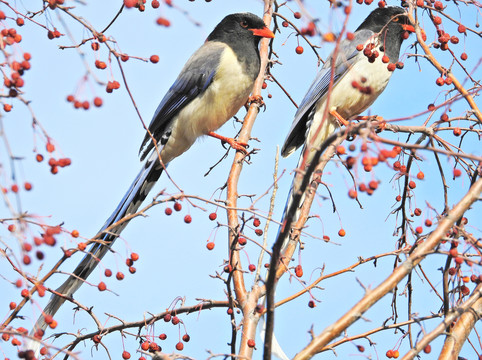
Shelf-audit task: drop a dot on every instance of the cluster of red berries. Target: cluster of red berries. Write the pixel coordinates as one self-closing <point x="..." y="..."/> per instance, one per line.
<point x="10" y="36"/>
<point x="18" y="69"/>
<point x="178" y="207"/>
<point x="48" y="238"/>
<point x="53" y="34"/>
<point x="361" y="88"/>
<point x="53" y="163"/>
<point x="392" y="354"/>
<point x="97" y="101"/>
<point x="368" y="162"/>
<point x="112" y="85"/>
<point x="130" y="262"/>
<point x="15" y="189"/>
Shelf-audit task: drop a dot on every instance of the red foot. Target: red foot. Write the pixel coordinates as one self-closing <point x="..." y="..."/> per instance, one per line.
<point x="340" y="118"/>
<point x="236" y="145"/>
<point x="255" y="99"/>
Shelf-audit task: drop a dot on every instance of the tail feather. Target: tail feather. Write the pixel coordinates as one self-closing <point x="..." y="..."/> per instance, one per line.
<point x="129" y="204"/>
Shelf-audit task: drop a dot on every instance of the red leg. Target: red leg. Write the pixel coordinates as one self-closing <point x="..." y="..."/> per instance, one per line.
<point x="233" y="143"/>
<point x="340" y="118"/>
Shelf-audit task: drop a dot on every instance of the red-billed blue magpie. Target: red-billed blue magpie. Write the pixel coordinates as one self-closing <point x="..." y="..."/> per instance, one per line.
<point x="361" y="71"/>
<point x="213" y="85"/>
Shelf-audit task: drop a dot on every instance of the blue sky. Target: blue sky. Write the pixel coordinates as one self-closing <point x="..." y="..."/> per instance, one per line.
<point x="103" y="145"/>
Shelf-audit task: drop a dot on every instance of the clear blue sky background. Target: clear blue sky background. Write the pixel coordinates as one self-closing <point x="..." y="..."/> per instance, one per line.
<point x="103" y="145"/>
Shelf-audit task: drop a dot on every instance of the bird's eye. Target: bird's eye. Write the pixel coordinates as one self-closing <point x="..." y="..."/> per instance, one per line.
<point x="244" y="24"/>
<point x="395" y="19"/>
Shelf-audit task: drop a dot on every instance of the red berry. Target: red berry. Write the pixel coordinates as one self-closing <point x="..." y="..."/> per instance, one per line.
<point x="428" y="223"/>
<point x="27" y="260"/>
<point x="419" y="229"/>
<point x="352" y="193"/>
<point x="258" y="232"/>
<point x="119" y="276"/>
<point x="251" y="343"/>
<point x="163" y="336"/>
<point x="108" y="272"/>
<point x="12" y="305"/>
<point x="39" y="157"/>
<point x="81" y="246"/>
<point x="50" y="147"/>
<point x="299" y="49"/>
<point x="213" y="216"/>
<point x="437" y="20"/>
<point x="14" y="188"/>
<point x="341" y="233"/>
<point x="252" y="267"/>
<point x="438" y="5"/>
<point x="391" y="67"/>
<point x="12" y="228"/>
<point x="297" y="15"/>
<point x="457" y="172"/>
<point x="97" y="339"/>
<point x="179" y="346"/>
<point x="25" y="293"/>
<point x="97" y="101"/>
<point x="130" y="3"/>
<point x="440" y="81"/>
<point x="154" y="59"/>
<point x="427" y="349"/>
<point x="75" y="233"/>
<point x="102" y="286"/>
<point x="457" y="131"/>
<point x="155" y="4"/>
<point x="187" y="219"/>
<point x="186" y="338"/>
<point x="256" y="222"/>
<point x="299" y="271"/>
<point x="177" y="206"/>
<point x="417" y="212"/>
<point x="463" y="56"/>
<point x="126" y="355"/>
<point x="242" y="241"/>
<point x="175" y="320"/>
<point x="134" y="256"/>
<point x="461" y="29"/>
<point x="163" y="22"/>
<point x="412" y="184"/>
<point x="373" y="185"/>
<point x="210" y="245"/>
<point x="167" y="318"/>
<point x="168" y="211"/>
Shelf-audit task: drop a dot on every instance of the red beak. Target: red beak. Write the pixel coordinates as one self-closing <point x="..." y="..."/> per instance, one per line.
<point x="264" y="32"/>
<point x="408" y="28"/>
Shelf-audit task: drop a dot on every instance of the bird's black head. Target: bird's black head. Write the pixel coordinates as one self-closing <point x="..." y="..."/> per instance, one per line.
<point x="391" y="23"/>
<point x="240" y="27"/>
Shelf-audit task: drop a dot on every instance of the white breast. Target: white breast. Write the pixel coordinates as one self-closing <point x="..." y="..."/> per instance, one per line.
<point x="347" y="100"/>
<point x="220" y="102"/>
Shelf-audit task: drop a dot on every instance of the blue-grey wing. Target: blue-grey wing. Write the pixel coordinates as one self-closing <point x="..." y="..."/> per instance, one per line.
<point x="347" y="55"/>
<point x="194" y="79"/>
